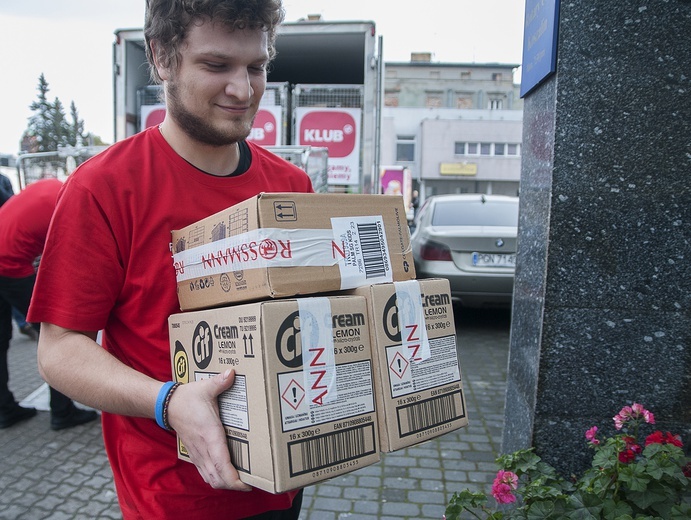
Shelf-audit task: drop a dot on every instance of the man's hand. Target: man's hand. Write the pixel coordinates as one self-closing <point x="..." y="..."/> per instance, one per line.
<point x="193" y="414"/>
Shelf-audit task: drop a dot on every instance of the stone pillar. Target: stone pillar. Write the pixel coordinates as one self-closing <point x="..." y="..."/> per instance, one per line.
<point x="601" y="310"/>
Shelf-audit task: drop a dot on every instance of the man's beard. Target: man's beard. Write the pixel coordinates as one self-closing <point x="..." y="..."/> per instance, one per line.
<point x="199" y="129"/>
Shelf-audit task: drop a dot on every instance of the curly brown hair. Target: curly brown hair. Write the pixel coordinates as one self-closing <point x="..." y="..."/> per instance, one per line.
<point x="167" y="22"/>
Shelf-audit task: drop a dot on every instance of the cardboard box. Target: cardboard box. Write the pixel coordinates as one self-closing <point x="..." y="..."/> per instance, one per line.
<point x="417" y="378"/>
<point x="302" y="408"/>
<point x="279" y="245"/>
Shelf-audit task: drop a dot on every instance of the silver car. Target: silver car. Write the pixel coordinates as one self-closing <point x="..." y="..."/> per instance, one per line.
<point x="470" y="239"/>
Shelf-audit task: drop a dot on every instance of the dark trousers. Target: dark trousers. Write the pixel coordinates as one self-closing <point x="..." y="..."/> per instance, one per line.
<point x="287" y="514"/>
<point x="16" y="292"/>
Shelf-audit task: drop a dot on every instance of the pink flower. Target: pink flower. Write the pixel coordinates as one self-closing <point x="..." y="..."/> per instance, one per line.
<point x="648" y="417"/>
<point x="504" y="483"/>
<point x="507" y="477"/>
<point x="633" y="412"/>
<point x="591" y="435"/>
<point x="502" y="493"/>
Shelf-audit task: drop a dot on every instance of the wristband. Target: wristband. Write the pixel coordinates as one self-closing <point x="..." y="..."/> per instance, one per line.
<point x="166" y="424"/>
<point x="160" y="402"/>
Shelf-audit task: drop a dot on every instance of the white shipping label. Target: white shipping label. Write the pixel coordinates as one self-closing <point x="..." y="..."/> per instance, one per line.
<point x="354" y="390"/>
<point x="318" y="357"/>
<point x="362" y="245"/>
<point x="411" y="320"/>
<point x="259" y="248"/>
<point x="440" y="368"/>
<point x="233" y="402"/>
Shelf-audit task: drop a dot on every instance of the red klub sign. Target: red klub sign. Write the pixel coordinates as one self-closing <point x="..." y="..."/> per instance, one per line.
<point x="338" y="130"/>
<point x="152" y="115"/>
<point x="266" y="129"/>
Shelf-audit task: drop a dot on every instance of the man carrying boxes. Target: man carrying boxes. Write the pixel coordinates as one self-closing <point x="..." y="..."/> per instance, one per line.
<point x="107" y="266"/>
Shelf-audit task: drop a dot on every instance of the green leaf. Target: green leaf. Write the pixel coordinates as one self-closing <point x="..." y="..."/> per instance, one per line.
<point x="646" y="498"/>
<point x="635" y="478"/>
<point x="616" y="509"/>
<point x="584" y="506"/>
<point x="464" y="499"/>
<point x="540" y="510"/>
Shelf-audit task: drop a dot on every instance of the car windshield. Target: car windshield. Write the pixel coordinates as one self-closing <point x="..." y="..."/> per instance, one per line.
<point x="476" y="213"/>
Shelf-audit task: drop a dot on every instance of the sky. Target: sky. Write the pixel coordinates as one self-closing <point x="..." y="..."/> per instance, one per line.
<point x="70" y="42"/>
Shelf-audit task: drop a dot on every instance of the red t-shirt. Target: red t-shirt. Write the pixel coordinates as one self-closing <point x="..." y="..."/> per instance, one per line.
<point x="24" y="221"/>
<point x="108" y="265"/>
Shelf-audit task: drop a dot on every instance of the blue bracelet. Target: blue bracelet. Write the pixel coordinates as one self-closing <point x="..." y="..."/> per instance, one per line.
<point x="160" y="400"/>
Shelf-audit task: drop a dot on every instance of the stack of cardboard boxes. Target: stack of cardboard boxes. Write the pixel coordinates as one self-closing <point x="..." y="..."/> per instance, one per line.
<point x="339" y="352"/>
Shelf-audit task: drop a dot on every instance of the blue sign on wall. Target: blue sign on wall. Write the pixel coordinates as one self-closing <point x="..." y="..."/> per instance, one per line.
<point x="539" y="42"/>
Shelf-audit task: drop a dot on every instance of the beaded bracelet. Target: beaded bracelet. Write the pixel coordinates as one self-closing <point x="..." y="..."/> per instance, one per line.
<point x="166" y="424"/>
<point x="162" y="400"/>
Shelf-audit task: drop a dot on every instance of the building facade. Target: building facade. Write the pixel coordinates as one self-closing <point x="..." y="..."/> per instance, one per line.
<point x="456" y="126"/>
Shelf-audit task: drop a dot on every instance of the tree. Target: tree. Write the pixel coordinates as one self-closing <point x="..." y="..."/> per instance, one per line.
<point x="77" y="137"/>
<point x="40" y="122"/>
<point x="49" y="127"/>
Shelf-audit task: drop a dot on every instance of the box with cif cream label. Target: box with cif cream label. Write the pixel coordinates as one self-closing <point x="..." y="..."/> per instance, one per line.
<point x="302" y="407"/>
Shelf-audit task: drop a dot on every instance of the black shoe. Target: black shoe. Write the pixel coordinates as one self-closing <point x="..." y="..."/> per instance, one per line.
<point x="75" y="417"/>
<point x="17" y="414"/>
<point x="29" y="331"/>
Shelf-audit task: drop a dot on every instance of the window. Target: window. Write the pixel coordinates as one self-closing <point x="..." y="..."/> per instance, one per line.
<point x="495" y="104"/>
<point x="496" y="76"/>
<point x="405" y="148"/>
<point x="464" y="102"/>
<point x="452" y="213"/>
<point x="391" y="99"/>
<point x="465" y="74"/>
<point x="497" y="149"/>
<point x="433" y="101"/>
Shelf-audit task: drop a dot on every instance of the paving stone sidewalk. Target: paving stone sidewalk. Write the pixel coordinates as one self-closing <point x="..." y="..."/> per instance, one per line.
<point x="65" y="475"/>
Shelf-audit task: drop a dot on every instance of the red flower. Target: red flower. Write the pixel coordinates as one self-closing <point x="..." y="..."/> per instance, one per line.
<point x="673" y="439"/>
<point x="687" y="470"/>
<point x="657" y="437"/>
<point x="626" y="456"/>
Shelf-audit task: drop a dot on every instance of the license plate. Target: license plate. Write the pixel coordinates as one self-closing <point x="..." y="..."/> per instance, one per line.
<point x="494" y="260"/>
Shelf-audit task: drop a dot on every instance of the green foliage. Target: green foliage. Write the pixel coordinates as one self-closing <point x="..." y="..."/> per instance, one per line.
<point x="626" y="481"/>
<point x="49" y="127"/>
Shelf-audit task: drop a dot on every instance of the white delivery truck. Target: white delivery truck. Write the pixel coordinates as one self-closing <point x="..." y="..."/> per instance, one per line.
<point x="323" y="97"/>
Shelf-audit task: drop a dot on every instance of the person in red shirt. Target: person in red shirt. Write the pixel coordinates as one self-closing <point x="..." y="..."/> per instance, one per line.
<point x="24" y="221"/>
<point x="108" y="264"/>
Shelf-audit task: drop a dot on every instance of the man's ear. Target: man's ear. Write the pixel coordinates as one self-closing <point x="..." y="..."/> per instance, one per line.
<point x="163" y="71"/>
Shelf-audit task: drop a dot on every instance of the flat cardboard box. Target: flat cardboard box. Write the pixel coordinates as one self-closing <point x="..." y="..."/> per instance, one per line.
<point x="277" y="245"/>
<point x="302" y="407"/>
<point x="417" y="379"/>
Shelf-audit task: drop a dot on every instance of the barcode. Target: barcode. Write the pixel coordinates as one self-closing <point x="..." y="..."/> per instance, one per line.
<point x="371" y="245"/>
<point x="427" y="414"/>
<point x="239" y="454"/>
<point x="331" y="449"/>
